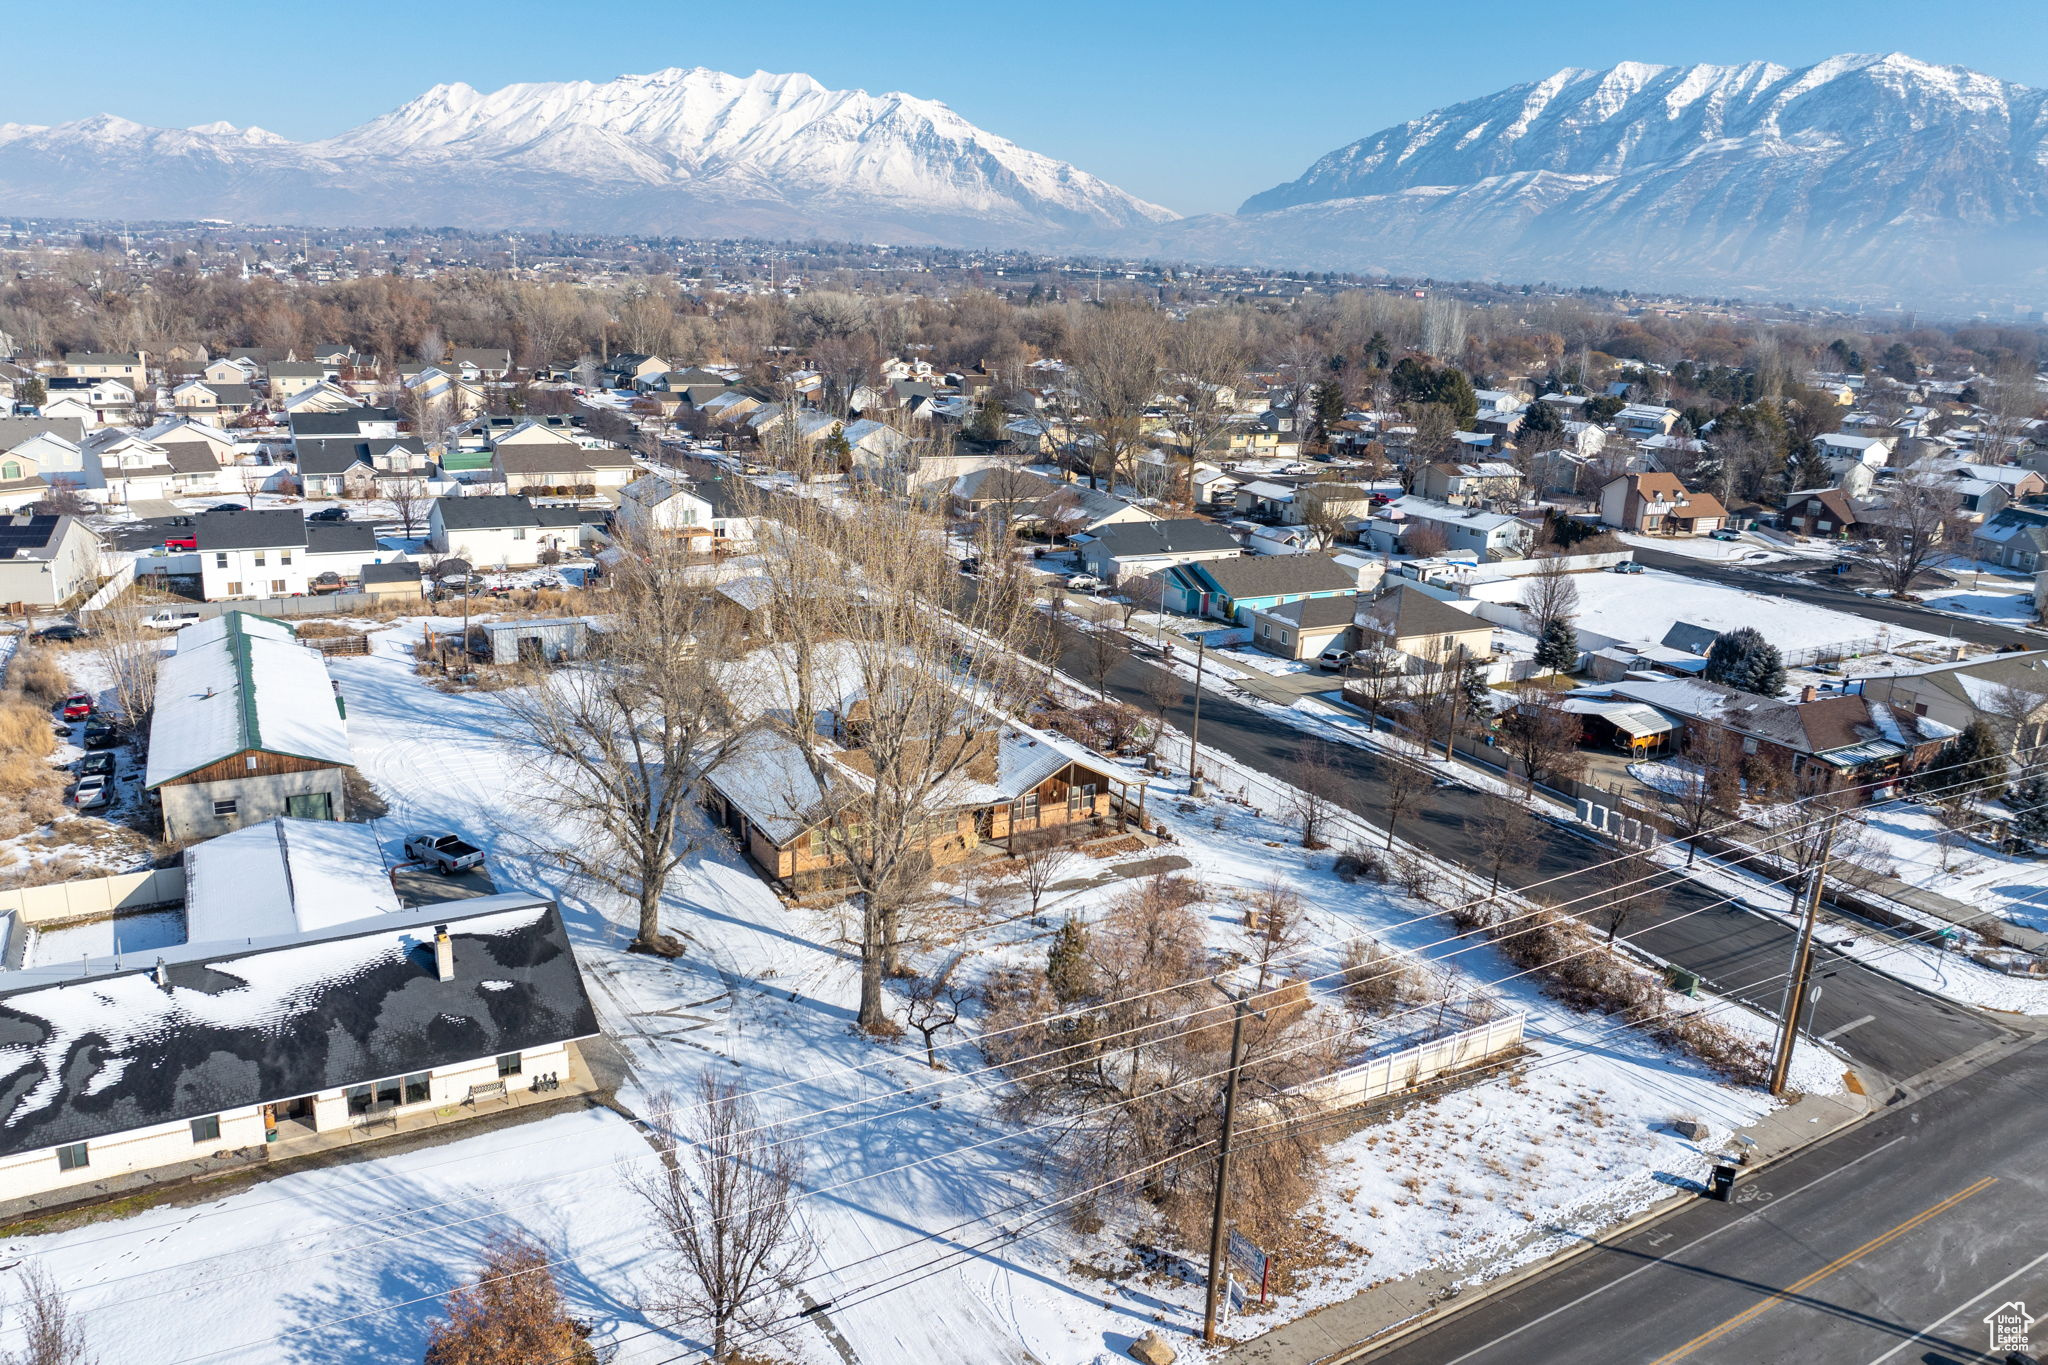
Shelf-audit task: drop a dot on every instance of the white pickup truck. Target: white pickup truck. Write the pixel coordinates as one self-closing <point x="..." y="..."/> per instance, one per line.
<point x="443" y="852"/>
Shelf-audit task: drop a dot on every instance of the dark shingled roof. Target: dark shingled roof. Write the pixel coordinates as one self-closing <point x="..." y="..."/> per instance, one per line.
<point x="340" y="537"/>
<point x="114" y="1052"/>
<point x="250" y="530"/>
<point x="485" y="514"/>
<point x="1313" y="613"/>
<point x="1183" y="535"/>
<point x="1271" y="575"/>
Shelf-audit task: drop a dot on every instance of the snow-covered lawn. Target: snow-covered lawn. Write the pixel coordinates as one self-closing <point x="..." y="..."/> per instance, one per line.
<point x="1708" y="550"/>
<point x="1646" y="605"/>
<point x="1991" y="604"/>
<point x="1909" y="836"/>
<point x="917" y="1179"/>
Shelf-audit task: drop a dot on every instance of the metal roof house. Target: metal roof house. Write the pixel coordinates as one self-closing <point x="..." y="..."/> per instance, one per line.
<point x="247" y="728"/>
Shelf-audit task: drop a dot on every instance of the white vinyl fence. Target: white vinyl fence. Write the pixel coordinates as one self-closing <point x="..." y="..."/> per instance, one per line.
<point x="1418" y="1065"/>
<point x="94" y="896"/>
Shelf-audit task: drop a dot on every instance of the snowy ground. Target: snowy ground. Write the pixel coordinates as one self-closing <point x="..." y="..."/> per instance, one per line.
<point x="1988" y="603"/>
<point x="1708" y="550"/>
<point x="1644" y="606"/>
<point x="918" y="1180"/>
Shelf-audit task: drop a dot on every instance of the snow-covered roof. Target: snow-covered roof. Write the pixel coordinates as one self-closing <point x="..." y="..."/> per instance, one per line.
<point x="243" y="687"/>
<point x="284" y="877"/>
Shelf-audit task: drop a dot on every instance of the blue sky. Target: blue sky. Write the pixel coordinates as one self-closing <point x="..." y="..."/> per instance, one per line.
<point x="1193" y="104"/>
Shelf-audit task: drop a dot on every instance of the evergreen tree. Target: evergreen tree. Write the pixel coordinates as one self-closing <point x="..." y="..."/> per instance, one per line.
<point x="2029" y="803"/>
<point x="1326" y="406"/>
<point x="1067" y="967"/>
<point x="1557" y="647"/>
<point x="1477" y="695"/>
<point x="1539" y="419"/>
<point x="1970" y="765"/>
<point x="1807" y="470"/>
<point x="1898" y="362"/>
<point x="1745" y="660"/>
<point x="32" y="393"/>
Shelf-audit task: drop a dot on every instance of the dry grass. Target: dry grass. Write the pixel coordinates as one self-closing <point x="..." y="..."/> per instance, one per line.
<point x="25" y="730"/>
<point x="38" y="676"/>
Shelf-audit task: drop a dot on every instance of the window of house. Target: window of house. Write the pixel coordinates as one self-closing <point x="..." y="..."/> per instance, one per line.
<point x="519" y="533"/>
<point x="73" y="1158"/>
<point x="259" y="559"/>
<point x="221" y="808"/>
<point x="284" y="556"/>
<point x="277" y="586"/>
<point x="220" y="561"/>
<point x="234" y="589"/>
<point x="10" y="470"/>
<point x="1081" y="799"/>
<point x="418" y="1087"/>
<point x="511" y="1064"/>
<point x="1024" y="810"/>
<point x="206" y="1129"/>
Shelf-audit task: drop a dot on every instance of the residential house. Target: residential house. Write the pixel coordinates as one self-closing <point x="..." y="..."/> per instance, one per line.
<point x="1428" y="633"/>
<point x="1304" y="628"/>
<point x="332" y="1014"/>
<point x="1482" y="483"/>
<point x="1490" y="535"/>
<point x="109" y="402"/>
<point x="1658" y="504"/>
<point x="1821" y="512"/>
<point x="655" y="505"/>
<point x="999" y="490"/>
<point x="232" y="370"/>
<point x="1641" y="420"/>
<point x="47" y="560"/>
<point x="128" y="367"/>
<point x="320" y="397"/>
<point x="1232" y="589"/>
<point x="131" y="469"/>
<point x="497" y="531"/>
<point x="287" y="379"/>
<point x="479" y="362"/>
<point x="247" y="728"/>
<point x="1015" y="787"/>
<point x="1266" y="499"/>
<point x="1127" y="550"/>
<point x="625" y="370"/>
<point x="536" y="459"/>
<point x="1841" y="448"/>
<point x="211" y="400"/>
<point x="345" y="467"/>
<point x="2010" y="691"/>
<point x="2016" y="538"/>
<point x="31" y="467"/>
<point x="251" y="554"/>
<point x="1074" y="509"/>
<point x="395" y="580"/>
<point x="432" y="385"/>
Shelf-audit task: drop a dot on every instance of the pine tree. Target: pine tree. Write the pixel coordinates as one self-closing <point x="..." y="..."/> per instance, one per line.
<point x="1557" y="647"/>
<point x="32" y="393"/>
<point x="1970" y="765"/>
<point x="1067" y="969"/>
<point x="1807" y="470"/>
<point x="2029" y="803"/>
<point x="1745" y="660"/>
<point x="1539" y="419"/>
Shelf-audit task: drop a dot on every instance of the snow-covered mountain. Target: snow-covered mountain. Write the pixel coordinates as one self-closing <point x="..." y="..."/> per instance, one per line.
<point x="688" y="153"/>
<point x="1859" y="176"/>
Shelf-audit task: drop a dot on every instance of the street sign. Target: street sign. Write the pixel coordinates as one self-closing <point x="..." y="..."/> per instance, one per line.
<point x="1255" y="1263"/>
<point x="1233" y="1296"/>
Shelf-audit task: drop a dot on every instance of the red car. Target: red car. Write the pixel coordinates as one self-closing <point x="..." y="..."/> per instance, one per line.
<point x="77" y="706"/>
<point x="188" y="541"/>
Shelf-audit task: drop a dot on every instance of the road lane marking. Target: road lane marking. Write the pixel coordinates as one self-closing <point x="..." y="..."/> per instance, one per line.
<point x="1927" y="1333"/>
<point x="1833" y="1034"/>
<point x="1653" y="1262"/>
<point x="1847" y="1258"/>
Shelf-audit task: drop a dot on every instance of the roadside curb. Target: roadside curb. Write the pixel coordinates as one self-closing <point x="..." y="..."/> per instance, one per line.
<point x="1452" y="1297"/>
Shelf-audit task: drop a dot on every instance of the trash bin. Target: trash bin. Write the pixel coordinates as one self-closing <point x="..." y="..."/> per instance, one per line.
<point x="1682" y="981"/>
<point x="1721" y="1183"/>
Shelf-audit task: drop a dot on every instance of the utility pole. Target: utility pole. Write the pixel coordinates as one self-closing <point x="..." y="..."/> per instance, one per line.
<point x="1195" y="733"/>
<point x="1802" y="962"/>
<point x="1216" y="1235"/>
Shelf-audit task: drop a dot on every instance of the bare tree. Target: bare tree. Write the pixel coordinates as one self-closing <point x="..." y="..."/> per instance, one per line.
<point x="512" y="1314"/>
<point x="723" y="1196"/>
<point x="1325" y="511"/>
<point x="410" y="501"/>
<point x="933" y="1004"/>
<point x="1403" y="786"/>
<point x="1040" y="867"/>
<point x="626" y="737"/>
<point x="129" y="651"/>
<point x="1542" y="735"/>
<point x="1316" y="780"/>
<point x="1916" y="530"/>
<point x="875" y="672"/>
<point x="1102" y="649"/>
<point x="1630" y="886"/>
<point x="50" y="1335"/>
<point x="1206" y="361"/>
<point x="1550" y="594"/>
<point x="1501" y="836"/>
<point x="1117" y="356"/>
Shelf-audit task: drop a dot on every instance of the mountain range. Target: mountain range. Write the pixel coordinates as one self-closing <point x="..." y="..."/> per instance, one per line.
<point x="1859" y="177"/>
<point x="1871" y="178"/>
<point x="678" y="152"/>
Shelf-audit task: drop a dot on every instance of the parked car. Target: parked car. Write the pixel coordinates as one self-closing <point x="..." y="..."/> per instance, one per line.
<point x="229" y="507"/>
<point x="92" y="791"/>
<point x="63" y="633"/>
<point x="97" y="765"/>
<point x="328" y="514"/>
<point x="1083" y="582"/>
<point x="1627" y="566"/>
<point x="1724" y="534"/>
<point x="970" y="566"/>
<point x="182" y="540"/>
<point x="77" y="706"/>
<point x="171" y="618"/>
<point x="443" y="852"/>
<point x="101" y="733"/>
<point x="1335" y="659"/>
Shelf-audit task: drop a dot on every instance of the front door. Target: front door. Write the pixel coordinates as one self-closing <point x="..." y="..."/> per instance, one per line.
<point x="310" y="806"/>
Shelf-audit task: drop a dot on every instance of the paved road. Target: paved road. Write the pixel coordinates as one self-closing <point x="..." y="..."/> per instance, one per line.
<point x="1885" y="1246"/>
<point x="1791" y="582"/>
<point x="1906" y="1031"/>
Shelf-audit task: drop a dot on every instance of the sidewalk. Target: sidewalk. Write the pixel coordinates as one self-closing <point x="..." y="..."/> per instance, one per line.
<point x="1344" y="1331"/>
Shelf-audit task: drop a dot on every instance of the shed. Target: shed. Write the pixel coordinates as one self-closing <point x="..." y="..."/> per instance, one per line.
<point x="544" y="641"/>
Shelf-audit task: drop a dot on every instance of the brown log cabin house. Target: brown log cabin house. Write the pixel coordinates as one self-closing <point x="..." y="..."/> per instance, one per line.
<point x="1021" y="788"/>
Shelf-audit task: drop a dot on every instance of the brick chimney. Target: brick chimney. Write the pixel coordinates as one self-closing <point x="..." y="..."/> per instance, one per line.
<point x="444" y="954"/>
<point x="1807" y="693"/>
